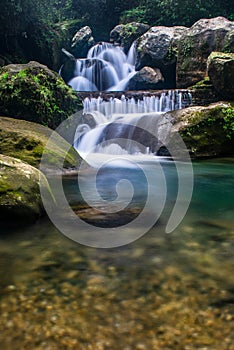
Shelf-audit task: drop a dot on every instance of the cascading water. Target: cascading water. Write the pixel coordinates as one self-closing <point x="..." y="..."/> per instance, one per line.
<point x="106" y="68"/>
<point x="160" y="102"/>
<point x="123" y="126"/>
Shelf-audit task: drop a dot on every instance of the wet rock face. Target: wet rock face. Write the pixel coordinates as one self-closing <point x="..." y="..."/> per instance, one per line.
<point x="206" y="131"/>
<point x="82" y="42"/>
<point x="221" y="73"/>
<point x="147" y="79"/>
<point x="125" y="34"/>
<point x="181" y="53"/>
<point x="156" y="49"/>
<point x="196" y="44"/>
<point x="20" y="200"/>
<point x="154" y="45"/>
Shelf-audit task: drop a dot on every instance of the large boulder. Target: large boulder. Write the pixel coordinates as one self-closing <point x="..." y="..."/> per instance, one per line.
<point x="125" y="34"/>
<point x="26" y="141"/>
<point x="33" y="92"/>
<point x="156" y="49"/>
<point x="82" y="42"/>
<point x="147" y="79"/>
<point x="196" y="44"/>
<point x="20" y="200"/>
<point x="206" y="131"/>
<point x="221" y="73"/>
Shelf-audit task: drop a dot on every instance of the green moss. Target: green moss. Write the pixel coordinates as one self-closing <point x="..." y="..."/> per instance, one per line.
<point x="20" y="192"/>
<point x="26" y="141"/>
<point x="35" y="93"/>
<point x="202" y="84"/>
<point x="210" y="131"/>
<point x="129" y="30"/>
<point x="171" y="54"/>
<point x="186" y="47"/>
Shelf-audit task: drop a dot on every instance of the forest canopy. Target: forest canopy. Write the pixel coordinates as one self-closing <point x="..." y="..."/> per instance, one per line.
<point x="19" y="18"/>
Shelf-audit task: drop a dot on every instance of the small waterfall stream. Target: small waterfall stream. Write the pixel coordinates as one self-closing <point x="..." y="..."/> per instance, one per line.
<point x="106" y="68"/>
<point x="127" y="125"/>
<point x="158" y="102"/>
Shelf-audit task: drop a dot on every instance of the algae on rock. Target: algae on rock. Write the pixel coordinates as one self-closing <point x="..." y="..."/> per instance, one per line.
<point x="206" y="131"/>
<point x="33" y="92"/>
<point x="26" y="141"/>
<point x="20" y="199"/>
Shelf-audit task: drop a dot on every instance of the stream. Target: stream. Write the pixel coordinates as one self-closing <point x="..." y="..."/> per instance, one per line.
<point x="164" y="291"/>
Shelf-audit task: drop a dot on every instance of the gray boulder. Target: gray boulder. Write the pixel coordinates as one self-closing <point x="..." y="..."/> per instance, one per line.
<point x="156" y="48"/>
<point x="221" y="73"/>
<point x="82" y="42"/>
<point x="147" y="79"/>
<point x="125" y="34"/>
<point x="196" y="44"/>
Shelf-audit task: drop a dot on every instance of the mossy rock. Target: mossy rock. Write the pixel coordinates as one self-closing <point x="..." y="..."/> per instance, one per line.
<point x="197" y="43"/>
<point x="206" y="131"/>
<point x="221" y="72"/>
<point x="20" y="199"/>
<point x="26" y="141"/>
<point x="33" y="92"/>
<point x="204" y="93"/>
<point x="125" y="34"/>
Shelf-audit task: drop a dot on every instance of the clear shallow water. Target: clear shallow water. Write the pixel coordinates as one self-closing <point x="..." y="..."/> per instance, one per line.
<point x="164" y="291"/>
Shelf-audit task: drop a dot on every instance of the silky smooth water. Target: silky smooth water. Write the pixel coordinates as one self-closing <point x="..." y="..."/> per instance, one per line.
<point x="164" y="291"/>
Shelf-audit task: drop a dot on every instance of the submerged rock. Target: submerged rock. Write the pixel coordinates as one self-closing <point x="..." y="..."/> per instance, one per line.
<point x="34" y="92"/>
<point x="196" y="44"/>
<point x="20" y="200"/>
<point x="82" y="42"/>
<point x="26" y="141"/>
<point x="125" y="34"/>
<point x="146" y="79"/>
<point x="221" y="73"/>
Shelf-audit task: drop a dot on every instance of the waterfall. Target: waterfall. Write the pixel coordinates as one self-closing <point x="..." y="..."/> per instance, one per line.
<point x="160" y="102"/>
<point x="124" y="124"/>
<point x="106" y="68"/>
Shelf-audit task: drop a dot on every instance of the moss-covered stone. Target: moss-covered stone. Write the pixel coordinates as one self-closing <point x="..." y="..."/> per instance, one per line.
<point x="35" y="93"/>
<point x="125" y="34"/>
<point x="206" y="131"/>
<point x="26" y="141"/>
<point x="221" y="72"/>
<point x="82" y="42"/>
<point x="204" y="93"/>
<point x="196" y="44"/>
<point x="20" y="200"/>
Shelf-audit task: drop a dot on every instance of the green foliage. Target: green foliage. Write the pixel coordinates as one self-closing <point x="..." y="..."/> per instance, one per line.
<point x="29" y="28"/>
<point x="137" y="14"/>
<point x="179" y="12"/>
<point x="35" y="94"/>
<point x="228" y="125"/>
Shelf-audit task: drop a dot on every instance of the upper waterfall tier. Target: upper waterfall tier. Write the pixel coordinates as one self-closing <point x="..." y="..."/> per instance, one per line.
<point x="106" y="68"/>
